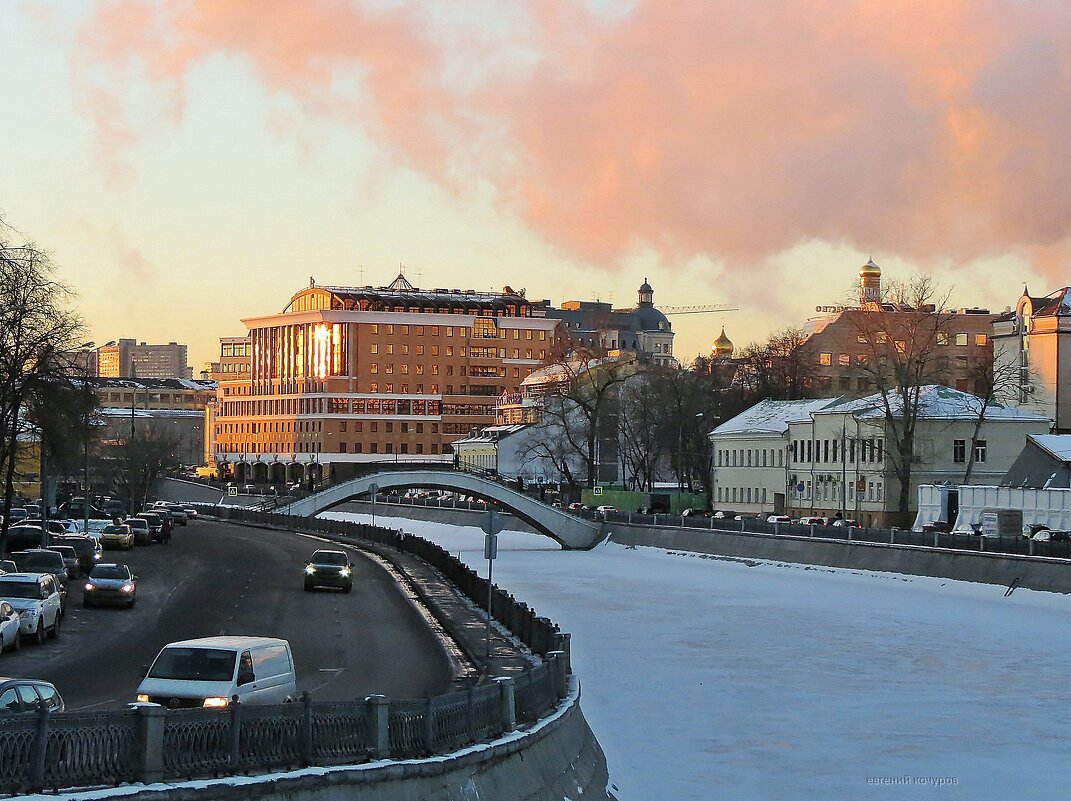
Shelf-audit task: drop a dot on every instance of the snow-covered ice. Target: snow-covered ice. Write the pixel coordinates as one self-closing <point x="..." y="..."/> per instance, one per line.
<point x="707" y="679"/>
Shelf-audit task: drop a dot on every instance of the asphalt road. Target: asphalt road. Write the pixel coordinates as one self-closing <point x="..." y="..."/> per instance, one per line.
<point x="220" y="578"/>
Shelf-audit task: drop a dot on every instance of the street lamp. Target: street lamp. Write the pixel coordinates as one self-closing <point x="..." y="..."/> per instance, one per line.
<point x="85" y="464"/>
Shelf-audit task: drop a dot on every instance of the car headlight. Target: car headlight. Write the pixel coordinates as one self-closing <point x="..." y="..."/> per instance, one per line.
<point x="143" y="698"/>
<point x="31" y="612"/>
<point x="127" y="588"/>
<point x="214" y="703"/>
<point x="310" y="569"/>
<point x="90" y="587"/>
<point x="345" y="571"/>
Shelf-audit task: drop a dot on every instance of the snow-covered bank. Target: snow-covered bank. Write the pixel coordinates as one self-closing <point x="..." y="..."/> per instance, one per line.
<point x="708" y="679"/>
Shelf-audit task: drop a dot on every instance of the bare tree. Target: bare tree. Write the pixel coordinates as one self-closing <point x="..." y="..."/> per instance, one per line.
<point x="38" y="331"/>
<point x="901" y="337"/>
<point x="135" y="465"/>
<point x="995" y="381"/>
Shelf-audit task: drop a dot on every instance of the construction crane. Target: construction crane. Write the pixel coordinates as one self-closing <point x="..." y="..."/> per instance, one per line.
<point x="717" y="307"/>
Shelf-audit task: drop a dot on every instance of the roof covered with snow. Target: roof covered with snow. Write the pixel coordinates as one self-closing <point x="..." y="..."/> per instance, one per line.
<point x="772" y="416"/>
<point x="1059" y="445"/>
<point x="936" y="402"/>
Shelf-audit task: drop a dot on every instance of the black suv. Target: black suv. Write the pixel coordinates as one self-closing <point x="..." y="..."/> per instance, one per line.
<point x="329" y="569"/>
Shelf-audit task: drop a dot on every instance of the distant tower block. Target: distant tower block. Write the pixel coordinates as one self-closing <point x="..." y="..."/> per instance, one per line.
<point x="869" y="283"/>
<point x="722" y="347"/>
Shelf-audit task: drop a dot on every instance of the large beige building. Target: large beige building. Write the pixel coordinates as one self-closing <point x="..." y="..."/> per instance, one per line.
<point x="345" y="375"/>
<point x="128" y="358"/>
<point x="828" y="456"/>
<point x="1033" y="344"/>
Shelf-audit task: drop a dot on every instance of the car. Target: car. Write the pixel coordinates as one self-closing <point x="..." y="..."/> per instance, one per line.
<point x="605" y="509"/>
<point x="845" y="522"/>
<point x="155" y="519"/>
<point x="86" y="548"/>
<point x="53" y="526"/>
<point x="177" y="512"/>
<point x="42" y="560"/>
<point x="70" y="558"/>
<point x="191" y="512"/>
<point x="693" y="513"/>
<point x="812" y="521"/>
<point x="1049" y="535"/>
<point x="27" y="696"/>
<point x="21" y="537"/>
<point x="778" y="519"/>
<point x="7" y="566"/>
<point x="118" y="536"/>
<point x="329" y="569"/>
<point x="10" y="628"/>
<point x="36" y="597"/>
<point x="1030" y="529"/>
<point x="141" y="528"/>
<point x="724" y="514"/>
<point x="575" y="507"/>
<point x="938" y="526"/>
<point x="96" y="526"/>
<point x="110" y="583"/>
<point x="17" y="514"/>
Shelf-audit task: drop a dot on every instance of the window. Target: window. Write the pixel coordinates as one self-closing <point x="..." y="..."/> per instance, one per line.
<point x="942" y="338"/>
<point x="844" y="360"/>
<point x="961" y="339"/>
<point x="959" y="451"/>
<point x="979" y="451"/>
<point x="373" y="368"/>
<point x="374" y="347"/>
<point x="981" y="340"/>
<point x="825" y="359"/>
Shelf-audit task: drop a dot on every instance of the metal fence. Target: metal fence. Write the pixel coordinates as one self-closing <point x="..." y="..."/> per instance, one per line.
<point x="962" y="541"/>
<point x="151" y="743"/>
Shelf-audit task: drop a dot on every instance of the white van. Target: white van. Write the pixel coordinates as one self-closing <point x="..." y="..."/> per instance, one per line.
<point x="210" y="671"/>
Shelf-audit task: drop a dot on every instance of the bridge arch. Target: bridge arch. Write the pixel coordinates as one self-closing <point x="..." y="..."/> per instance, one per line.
<point x="567" y="530"/>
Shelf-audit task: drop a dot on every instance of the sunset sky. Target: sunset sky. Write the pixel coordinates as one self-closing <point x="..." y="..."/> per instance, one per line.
<point x="193" y="162"/>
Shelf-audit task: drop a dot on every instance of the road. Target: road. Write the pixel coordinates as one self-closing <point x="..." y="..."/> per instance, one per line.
<point x="220" y="578"/>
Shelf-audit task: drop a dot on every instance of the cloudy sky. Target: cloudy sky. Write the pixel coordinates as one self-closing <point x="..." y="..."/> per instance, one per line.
<point x="196" y="161"/>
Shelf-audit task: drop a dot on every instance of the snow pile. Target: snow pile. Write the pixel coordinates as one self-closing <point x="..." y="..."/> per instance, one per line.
<point x="707" y="679"/>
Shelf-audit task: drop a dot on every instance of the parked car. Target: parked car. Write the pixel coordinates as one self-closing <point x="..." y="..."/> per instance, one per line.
<point x="812" y="521"/>
<point x="1049" y="535"/>
<point x="939" y="526"/>
<point x="25" y="696"/>
<point x="191" y="512"/>
<point x="329" y="569"/>
<point x="210" y="671"/>
<point x="36" y="597"/>
<point x="17" y="514"/>
<point x="694" y="513"/>
<point x="119" y="536"/>
<point x="142" y="530"/>
<point x="7" y="566"/>
<point x="70" y="558"/>
<point x="53" y="526"/>
<point x="88" y="550"/>
<point x="845" y="522"/>
<point x="575" y="507"/>
<point x="111" y="583"/>
<point x="605" y="509"/>
<point x="724" y="514"/>
<point x="10" y="628"/>
<point x="778" y="519"/>
<point x="42" y="560"/>
<point x="178" y="514"/>
<point x="1030" y="529"/>
<point x="96" y="526"/>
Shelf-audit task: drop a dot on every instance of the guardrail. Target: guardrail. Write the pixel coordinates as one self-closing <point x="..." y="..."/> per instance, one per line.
<point x="151" y="743"/>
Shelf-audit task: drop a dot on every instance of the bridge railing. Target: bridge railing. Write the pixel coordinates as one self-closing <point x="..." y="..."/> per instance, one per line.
<point x="151" y="743"/>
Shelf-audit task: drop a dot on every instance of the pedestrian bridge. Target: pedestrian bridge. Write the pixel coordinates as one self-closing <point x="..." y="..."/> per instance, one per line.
<point x="567" y="530"/>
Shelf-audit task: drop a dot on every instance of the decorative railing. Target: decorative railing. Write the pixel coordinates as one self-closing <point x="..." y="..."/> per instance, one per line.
<point x="150" y="743"/>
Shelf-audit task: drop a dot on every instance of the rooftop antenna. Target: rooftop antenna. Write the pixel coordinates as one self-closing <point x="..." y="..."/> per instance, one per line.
<point x="420" y="275"/>
<point x="360" y="273"/>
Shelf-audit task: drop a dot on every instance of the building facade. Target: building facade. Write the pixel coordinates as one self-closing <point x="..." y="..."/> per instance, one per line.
<point x="345" y="375"/>
<point x="842" y="342"/>
<point x="642" y="330"/>
<point x="128" y="358"/>
<point x="1033" y="343"/>
<point x="836" y="456"/>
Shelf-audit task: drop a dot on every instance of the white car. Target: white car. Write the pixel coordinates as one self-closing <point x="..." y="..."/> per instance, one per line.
<point x="36" y="597"/>
<point x="10" y="628"/>
<point x="778" y="519"/>
<point x="603" y="510"/>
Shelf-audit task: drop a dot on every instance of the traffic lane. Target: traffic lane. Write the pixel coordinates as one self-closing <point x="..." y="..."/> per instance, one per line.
<point x="345" y="646"/>
<point x="221" y="578"/>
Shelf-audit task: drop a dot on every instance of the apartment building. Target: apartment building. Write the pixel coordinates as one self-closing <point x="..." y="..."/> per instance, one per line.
<point x="832" y="455"/>
<point x="345" y="375"/>
<point x="127" y="358"/>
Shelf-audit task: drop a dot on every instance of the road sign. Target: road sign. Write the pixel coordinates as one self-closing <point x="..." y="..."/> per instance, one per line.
<point x="490" y="547"/>
<point x="491" y="522"/>
<point x="596" y="490"/>
<point x="373" y="488"/>
<point x="233" y="491"/>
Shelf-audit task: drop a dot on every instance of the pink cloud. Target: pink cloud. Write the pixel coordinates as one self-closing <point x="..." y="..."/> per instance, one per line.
<point x="728" y="129"/>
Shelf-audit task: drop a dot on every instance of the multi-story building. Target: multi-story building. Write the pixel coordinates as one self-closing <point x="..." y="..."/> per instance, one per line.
<point x="1032" y="344"/>
<point x="843" y="341"/>
<point x="128" y="358"/>
<point x="642" y="330"/>
<point x="345" y="375"/>
<point x="832" y="455"/>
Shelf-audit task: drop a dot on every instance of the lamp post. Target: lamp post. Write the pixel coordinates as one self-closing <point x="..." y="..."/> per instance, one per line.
<point x="85" y="464"/>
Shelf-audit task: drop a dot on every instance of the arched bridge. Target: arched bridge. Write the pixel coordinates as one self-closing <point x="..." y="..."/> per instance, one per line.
<point x="569" y="531"/>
